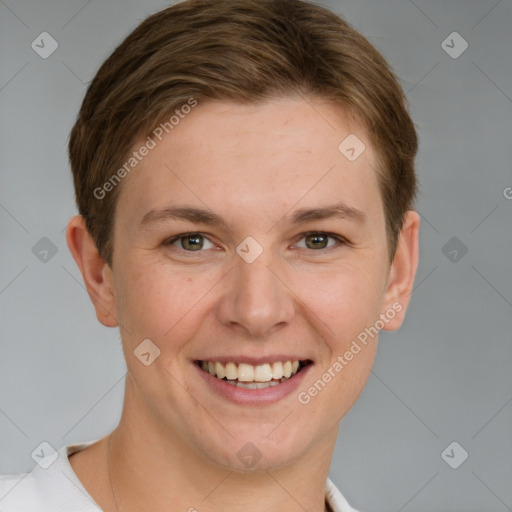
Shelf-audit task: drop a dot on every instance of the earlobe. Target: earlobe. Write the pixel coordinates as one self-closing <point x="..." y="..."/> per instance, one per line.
<point x="94" y="270"/>
<point x="402" y="272"/>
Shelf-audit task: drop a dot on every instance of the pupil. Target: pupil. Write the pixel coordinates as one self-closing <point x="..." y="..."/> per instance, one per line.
<point x="317" y="241"/>
<point x="192" y="242"/>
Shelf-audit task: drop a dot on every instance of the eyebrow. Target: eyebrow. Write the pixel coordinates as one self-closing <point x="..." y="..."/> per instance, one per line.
<point x="189" y="213"/>
<point x="204" y="216"/>
<point x="338" y="210"/>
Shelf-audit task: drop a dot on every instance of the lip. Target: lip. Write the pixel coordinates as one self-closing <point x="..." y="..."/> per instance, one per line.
<point x="255" y="361"/>
<point x="242" y="396"/>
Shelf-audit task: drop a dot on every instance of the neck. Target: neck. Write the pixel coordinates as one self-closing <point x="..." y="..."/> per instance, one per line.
<point x="151" y="469"/>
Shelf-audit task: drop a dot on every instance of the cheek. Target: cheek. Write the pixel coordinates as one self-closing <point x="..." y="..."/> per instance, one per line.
<point x="157" y="302"/>
<point x="345" y="301"/>
<point x="350" y="380"/>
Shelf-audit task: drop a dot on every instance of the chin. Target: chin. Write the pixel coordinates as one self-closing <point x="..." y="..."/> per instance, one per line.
<point x="256" y="452"/>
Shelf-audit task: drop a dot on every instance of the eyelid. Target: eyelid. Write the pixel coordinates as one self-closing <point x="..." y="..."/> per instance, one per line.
<point x="175" y="238"/>
<point x="340" y="239"/>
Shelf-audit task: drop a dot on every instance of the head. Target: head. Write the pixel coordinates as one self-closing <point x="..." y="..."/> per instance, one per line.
<point x="227" y="120"/>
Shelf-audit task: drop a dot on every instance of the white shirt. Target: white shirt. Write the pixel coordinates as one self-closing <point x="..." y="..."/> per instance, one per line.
<point x="58" y="489"/>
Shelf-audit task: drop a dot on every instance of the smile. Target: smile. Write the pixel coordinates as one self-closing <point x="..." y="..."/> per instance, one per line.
<point x="249" y="376"/>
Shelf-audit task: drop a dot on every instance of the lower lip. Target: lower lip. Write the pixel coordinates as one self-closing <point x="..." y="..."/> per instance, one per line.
<point x="245" y="396"/>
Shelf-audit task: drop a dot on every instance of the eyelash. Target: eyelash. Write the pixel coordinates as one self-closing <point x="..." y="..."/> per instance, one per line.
<point x="339" y="239"/>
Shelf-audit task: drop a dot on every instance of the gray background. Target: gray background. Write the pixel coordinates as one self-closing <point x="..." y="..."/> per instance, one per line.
<point x="445" y="376"/>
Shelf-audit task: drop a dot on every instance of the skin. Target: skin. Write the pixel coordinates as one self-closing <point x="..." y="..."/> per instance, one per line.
<point x="253" y="165"/>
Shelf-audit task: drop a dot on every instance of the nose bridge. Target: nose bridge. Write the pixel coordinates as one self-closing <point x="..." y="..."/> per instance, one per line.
<point x="256" y="299"/>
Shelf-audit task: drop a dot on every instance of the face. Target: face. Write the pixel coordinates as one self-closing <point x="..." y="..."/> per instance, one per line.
<point x="248" y="246"/>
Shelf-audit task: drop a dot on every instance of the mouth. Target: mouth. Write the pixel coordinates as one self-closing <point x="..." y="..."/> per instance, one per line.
<point x="250" y="376"/>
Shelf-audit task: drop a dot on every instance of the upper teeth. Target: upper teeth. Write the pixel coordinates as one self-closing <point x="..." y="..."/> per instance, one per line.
<point x="249" y="373"/>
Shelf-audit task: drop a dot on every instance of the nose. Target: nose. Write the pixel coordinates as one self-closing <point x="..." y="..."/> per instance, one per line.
<point x="256" y="299"/>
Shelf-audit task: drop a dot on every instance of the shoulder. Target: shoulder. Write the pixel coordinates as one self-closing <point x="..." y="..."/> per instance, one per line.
<point x="53" y="488"/>
<point x="12" y="487"/>
<point x="336" y="500"/>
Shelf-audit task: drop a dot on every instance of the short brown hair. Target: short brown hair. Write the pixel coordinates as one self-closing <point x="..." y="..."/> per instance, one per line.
<point x="245" y="51"/>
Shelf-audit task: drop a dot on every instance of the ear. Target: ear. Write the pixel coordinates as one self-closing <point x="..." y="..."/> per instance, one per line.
<point x="402" y="272"/>
<point x="96" y="274"/>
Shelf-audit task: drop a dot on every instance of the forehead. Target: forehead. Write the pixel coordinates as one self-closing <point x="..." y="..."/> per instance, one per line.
<point x="263" y="157"/>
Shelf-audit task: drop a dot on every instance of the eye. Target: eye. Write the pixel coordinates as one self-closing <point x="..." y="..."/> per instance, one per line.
<point x="191" y="242"/>
<point x="319" y="240"/>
